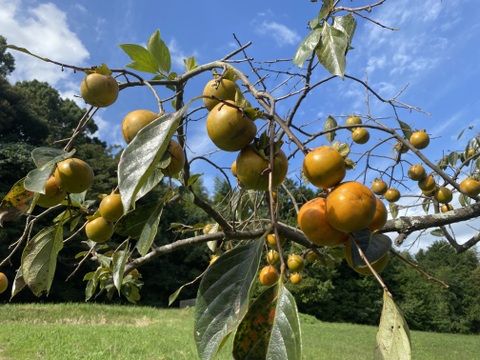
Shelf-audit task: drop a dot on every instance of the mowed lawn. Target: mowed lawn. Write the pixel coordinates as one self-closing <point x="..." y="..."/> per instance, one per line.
<point x="92" y="331"/>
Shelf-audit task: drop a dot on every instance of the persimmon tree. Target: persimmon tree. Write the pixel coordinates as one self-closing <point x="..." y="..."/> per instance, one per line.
<point x="260" y="142"/>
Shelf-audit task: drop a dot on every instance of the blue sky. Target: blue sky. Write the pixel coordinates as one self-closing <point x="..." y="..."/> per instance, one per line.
<point x="434" y="55"/>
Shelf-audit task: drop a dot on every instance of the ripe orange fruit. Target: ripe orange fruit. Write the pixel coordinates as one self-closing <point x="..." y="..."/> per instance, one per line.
<point x="99" y="90"/>
<point x="380" y="218"/>
<point x="229" y="128"/>
<point x="177" y="159"/>
<point x="268" y="275"/>
<point x="134" y="121"/>
<point x="353" y="120"/>
<point x="296" y="278"/>
<point x="470" y="187"/>
<point x="379" y="187"/>
<point x="392" y="195"/>
<point x="99" y="230"/>
<point x="350" y="207"/>
<point x="420" y="139"/>
<point x="251" y="169"/>
<point x="74" y="175"/>
<point x="111" y="207"/>
<point x="53" y="194"/>
<point x="324" y="167"/>
<point x="416" y="172"/>
<point x="272" y="240"/>
<point x="273" y="258"/>
<point x="314" y="224"/>
<point x="360" y="135"/>
<point x="221" y="89"/>
<point x="295" y="263"/>
<point x="233" y="169"/>
<point x="3" y="282"/>
<point x="446" y="207"/>
<point x="443" y="195"/>
<point x="427" y="184"/>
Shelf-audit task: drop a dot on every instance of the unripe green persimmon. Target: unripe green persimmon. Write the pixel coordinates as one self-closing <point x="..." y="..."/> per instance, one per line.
<point x="74" y="175"/>
<point x="99" y="90"/>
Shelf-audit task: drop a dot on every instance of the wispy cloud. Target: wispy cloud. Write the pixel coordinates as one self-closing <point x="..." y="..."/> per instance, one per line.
<point x="44" y="30"/>
<point x="280" y="33"/>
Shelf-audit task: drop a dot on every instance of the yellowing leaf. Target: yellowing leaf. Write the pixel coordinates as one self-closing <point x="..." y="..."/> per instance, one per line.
<point x="393" y="336"/>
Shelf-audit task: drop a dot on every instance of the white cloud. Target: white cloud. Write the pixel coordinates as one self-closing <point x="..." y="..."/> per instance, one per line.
<point x="280" y="33"/>
<point x="42" y="29"/>
<point x="177" y="55"/>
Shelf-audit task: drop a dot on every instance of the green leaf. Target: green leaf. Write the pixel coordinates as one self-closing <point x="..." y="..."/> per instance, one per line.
<point x="39" y="258"/>
<point x="332" y="49"/>
<point x="307" y="46"/>
<point x="330" y="123"/>
<point x="133" y="222"/>
<point x="327" y="6"/>
<point x="149" y="231"/>
<point x="45" y="159"/>
<point x="285" y="339"/>
<point x="142" y="155"/>
<point x="45" y="156"/>
<point x="222" y="297"/>
<point x="437" y="232"/>
<point x="393" y="336"/>
<point x="159" y="51"/>
<point x="119" y="259"/>
<point x="143" y="60"/>
<point x="393" y="210"/>
<point x="190" y="63"/>
<point x="346" y="24"/>
<point x="18" y="284"/>
<point x="406" y="129"/>
<point x="453" y="158"/>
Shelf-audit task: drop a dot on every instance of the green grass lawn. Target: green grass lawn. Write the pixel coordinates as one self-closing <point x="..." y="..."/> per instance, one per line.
<point x="92" y="331"/>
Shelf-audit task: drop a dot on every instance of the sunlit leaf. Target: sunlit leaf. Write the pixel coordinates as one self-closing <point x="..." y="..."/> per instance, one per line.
<point x="143" y="60"/>
<point x="285" y="339"/>
<point x="222" y="297"/>
<point x="327" y="6"/>
<point x="119" y="259"/>
<point x="149" y="231"/>
<point x="16" y="203"/>
<point x="393" y="210"/>
<point x="346" y="24"/>
<point x="330" y="123"/>
<point x="190" y="63"/>
<point x="18" y="283"/>
<point x="159" y="51"/>
<point x="140" y="158"/>
<point x="393" y="336"/>
<point x="453" y="158"/>
<point x="39" y="258"/>
<point x="406" y="129"/>
<point x="307" y="46"/>
<point x="332" y="49"/>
